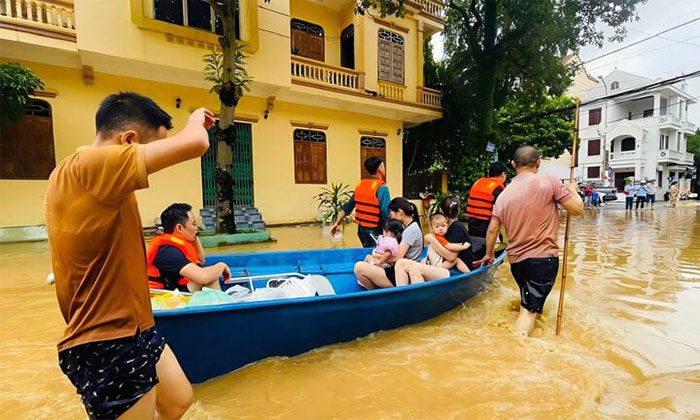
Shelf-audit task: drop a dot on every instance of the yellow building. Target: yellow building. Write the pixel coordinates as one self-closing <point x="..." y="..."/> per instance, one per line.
<point x="329" y="87"/>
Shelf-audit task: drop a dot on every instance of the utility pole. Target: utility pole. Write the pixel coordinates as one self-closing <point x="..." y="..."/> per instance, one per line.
<point x="604" y="135"/>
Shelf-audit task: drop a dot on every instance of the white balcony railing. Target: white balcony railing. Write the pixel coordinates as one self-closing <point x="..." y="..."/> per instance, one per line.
<point x="325" y="75"/>
<point x="671" y="156"/>
<point x="433" y="7"/>
<point x="37" y="16"/>
<point x="620" y="156"/>
<point x="666" y="120"/>
<point x="430" y="97"/>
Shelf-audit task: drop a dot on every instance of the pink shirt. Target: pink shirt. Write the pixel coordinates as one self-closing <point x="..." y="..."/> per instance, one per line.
<point x="527" y="208"/>
<point x="387" y="243"/>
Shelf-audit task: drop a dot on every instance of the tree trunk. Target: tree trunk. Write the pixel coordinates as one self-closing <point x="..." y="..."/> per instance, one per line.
<point x="486" y="64"/>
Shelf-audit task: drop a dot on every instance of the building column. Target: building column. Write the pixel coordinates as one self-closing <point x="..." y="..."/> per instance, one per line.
<point x="420" y="80"/>
<point x="657" y="104"/>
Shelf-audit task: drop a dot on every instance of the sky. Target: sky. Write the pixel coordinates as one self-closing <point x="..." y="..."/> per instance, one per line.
<point x="670" y="54"/>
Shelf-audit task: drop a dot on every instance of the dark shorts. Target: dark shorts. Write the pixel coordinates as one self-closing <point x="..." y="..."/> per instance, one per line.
<point x="390" y="274"/>
<point x="651" y="198"/>
<point x="535" y="277"/>
<point x="111" y="376"/>
<point x="366" y="238"/>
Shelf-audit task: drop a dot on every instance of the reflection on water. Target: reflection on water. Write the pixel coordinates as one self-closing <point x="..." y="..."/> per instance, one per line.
<point x="630" y="344"/>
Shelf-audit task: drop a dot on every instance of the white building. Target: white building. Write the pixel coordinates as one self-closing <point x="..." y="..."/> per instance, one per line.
<point x="641" y="135"/>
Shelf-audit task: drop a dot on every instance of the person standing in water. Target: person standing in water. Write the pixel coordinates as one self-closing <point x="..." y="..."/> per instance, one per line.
<point x="527" y="209"/>
<point x="110" y="350"/>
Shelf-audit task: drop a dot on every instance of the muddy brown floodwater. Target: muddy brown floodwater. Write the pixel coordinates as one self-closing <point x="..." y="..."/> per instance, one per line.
<point x="630" y="344"/>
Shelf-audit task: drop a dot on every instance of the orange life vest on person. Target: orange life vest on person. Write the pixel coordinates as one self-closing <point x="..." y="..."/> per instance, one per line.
<point x="481" y="199"/>
<point x="367" y="211"/>
<point x="154" y="277"/>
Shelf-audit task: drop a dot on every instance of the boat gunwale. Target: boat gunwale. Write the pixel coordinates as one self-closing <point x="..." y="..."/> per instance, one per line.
<point x="236" y="306"/>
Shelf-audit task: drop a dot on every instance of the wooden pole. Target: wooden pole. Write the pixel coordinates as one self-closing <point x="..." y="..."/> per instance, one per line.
<point x="560" y="311"/>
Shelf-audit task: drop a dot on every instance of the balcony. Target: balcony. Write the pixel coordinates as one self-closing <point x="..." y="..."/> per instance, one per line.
<point x="430" y="97"/>
<point x="675" y="157"/>
<point x="432" y="8"/>
<point x="669" y="121"/>
<point x="306" y="71"/>
<point x="623" y="159"/>
<point x="50" y="18"/>
<point x="316" y="74"/>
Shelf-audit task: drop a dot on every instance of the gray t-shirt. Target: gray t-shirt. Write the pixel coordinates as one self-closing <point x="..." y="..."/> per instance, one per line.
<point x="413" y="237"/>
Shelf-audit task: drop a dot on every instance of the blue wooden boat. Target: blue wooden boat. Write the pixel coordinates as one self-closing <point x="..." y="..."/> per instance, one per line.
<point x="216" y="339"/>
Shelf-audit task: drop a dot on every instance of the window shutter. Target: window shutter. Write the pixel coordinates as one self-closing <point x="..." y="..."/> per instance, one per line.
<point x="371" y="146"/>
<point x="309" y="157"/>
<point x="384" y="59"/>
<point x="594" y="147"/>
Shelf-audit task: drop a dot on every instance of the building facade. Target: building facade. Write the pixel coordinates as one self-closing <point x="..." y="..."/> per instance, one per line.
<point x="641" y="135"/>
<point x="330" y="87"/>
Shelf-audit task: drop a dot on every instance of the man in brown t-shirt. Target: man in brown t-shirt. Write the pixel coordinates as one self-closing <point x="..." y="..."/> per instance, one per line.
<point x="527" y="209"/>
<point x="110" y="350"/>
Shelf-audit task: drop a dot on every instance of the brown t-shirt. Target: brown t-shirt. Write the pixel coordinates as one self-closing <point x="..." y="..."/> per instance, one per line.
<point x="97" y="247"/>
<point x="527" y="208"/>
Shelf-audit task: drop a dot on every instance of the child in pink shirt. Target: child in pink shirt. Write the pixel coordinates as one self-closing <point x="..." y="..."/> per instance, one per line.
<point x="387" y="249"/>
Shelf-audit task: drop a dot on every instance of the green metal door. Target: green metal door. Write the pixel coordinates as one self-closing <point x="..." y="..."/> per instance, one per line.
<point x="209" y="172"/>
<point x="242" y="166"/>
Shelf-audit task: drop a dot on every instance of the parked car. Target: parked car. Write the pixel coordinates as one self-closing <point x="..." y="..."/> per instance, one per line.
<point x="608" y="193"/>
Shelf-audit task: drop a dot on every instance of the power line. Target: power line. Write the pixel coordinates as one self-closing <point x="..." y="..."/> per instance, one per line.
<point x="641" y="40"/>
<point x="653" y="85"/>
<point x="627" y="57"/>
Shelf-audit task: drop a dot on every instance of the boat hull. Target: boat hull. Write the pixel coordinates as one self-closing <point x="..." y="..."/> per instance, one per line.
<point x="213" y="340"/>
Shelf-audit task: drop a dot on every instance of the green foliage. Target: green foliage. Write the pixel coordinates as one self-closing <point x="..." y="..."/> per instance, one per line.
<point x="214" y="68"/>
<point x="385" y="7"/>
<point x="331" y="201"/>
<point x="693" y="145"/>
<point x="503" y="62"/>
<point x="16" y="84"/>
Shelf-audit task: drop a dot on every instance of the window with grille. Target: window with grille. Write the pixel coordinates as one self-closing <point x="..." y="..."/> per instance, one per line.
<point x="192" y="13"/>
<point x="307" y="40"/>
<point x="371" y="146"/>
<point x="309" y="157"/>
<point x="594" y="116"/>
<point x="26" y="146"/>
<point x="391" y="56"/>
<point x="627" y="144"/>
<point x="614" y="85"/>
<point x="593" y="172"/>
<point x="594" y="147"/>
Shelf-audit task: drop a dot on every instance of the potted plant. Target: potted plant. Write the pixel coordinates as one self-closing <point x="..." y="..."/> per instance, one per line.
<point x="330" y="204"/>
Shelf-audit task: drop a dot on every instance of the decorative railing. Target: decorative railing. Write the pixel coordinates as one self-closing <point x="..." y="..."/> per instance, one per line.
<point x="617" y="156"/>
<point x="671" y="156"/>
<point x="430" y="97"/>
<point x="326" y="75"/>
<point x="669" y="119"/>
<point x="433" y="7"/>
<point x="54" y="16"/>
<point x="391" y="90"/>
<point x="689" y="158"/>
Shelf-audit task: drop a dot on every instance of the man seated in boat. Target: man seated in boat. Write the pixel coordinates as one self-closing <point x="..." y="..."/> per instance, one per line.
<point x="175" y="258"/>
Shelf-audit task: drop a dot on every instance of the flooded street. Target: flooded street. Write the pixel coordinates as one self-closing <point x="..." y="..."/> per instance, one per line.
<point x="630" y="344"/>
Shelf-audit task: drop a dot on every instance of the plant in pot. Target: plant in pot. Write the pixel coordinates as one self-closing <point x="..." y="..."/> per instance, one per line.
<point x="330" y="204"/>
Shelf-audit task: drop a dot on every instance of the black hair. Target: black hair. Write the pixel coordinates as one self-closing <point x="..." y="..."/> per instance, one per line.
<point x="496" y="169"/>
<point x="130" y="110"/>
<point x="449" y="206"/>
<point x="175" y="214"/>
<point x="436" y="215"/>
<point x="395" y="227"/>
<point x="526" y="156"/>
<point x="372" y="164"/>
<point x="409" y="208"/>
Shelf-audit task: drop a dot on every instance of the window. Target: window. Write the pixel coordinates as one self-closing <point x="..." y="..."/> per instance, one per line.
<point x="594" y="147"/>
<point x="614" y="85"/>
<point x="26" y="146"/>
<point x="192" y="13"/>
<point x="391" y="63"/>
<point x="347" y="47"/>
<point x="307" y="40"/>
<point x="594" y="116"/>
<point x="663" y="106"/>
<point x="648" y="113"/>
<point x="309" y="157"/>
<point x="627" y="144"/>
<point x="371" y="146"/>
<point x="593" y="172"/>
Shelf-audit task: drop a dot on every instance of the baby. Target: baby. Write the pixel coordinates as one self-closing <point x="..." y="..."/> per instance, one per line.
<point x="384" y="255"/>
<point x="439" y="225"/>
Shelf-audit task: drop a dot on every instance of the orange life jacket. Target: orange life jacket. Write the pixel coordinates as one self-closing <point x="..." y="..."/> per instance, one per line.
<point x="481" y="199"/>
<point x="367" y="211"/>
<point x="155" y="280"/>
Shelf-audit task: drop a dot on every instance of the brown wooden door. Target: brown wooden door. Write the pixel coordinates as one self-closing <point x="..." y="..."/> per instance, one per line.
<point x="26" y="148"/>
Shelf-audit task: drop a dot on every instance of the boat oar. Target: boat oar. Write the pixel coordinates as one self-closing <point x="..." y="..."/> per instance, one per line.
<point x="560" y="311"/>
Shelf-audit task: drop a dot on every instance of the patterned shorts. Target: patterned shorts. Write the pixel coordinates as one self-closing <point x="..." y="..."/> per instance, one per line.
<point x="111" y="376"/>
